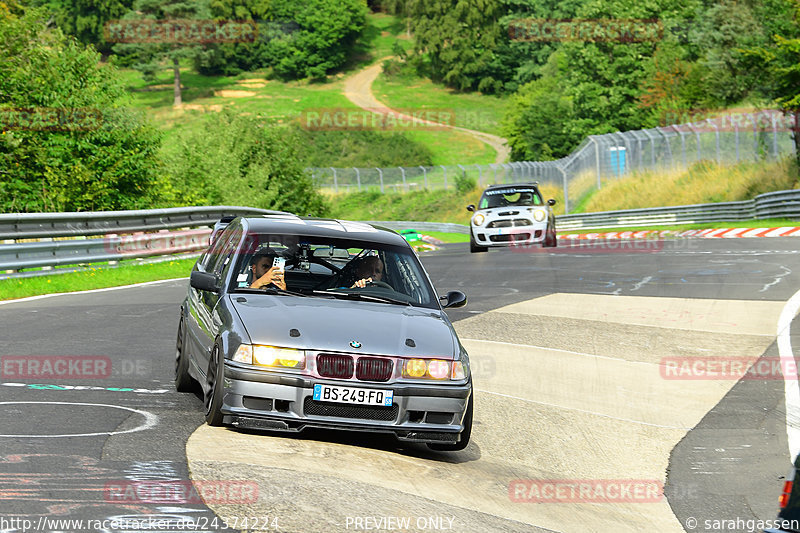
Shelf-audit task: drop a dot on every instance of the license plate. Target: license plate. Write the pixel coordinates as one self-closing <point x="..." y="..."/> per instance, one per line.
<point x="331" y="393"/>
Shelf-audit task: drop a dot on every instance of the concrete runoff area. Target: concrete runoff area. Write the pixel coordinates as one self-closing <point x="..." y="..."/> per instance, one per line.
<point x="578" y="413"/>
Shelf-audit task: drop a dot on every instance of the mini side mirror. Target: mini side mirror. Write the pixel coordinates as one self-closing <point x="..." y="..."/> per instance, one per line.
<point x="471" y="207"/>
<point x="551" y="202"/>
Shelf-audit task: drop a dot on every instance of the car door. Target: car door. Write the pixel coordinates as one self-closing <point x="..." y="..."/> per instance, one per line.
<point x="204" y="322"/>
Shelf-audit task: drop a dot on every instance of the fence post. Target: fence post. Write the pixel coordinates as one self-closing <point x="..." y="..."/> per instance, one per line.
<point x="596" y="158"/>
<point x="480" y="176"/>
<point x="335" y="182"/>
<point x="358" y="177"/>
<point x="444" y="169"/>
<point x="380" y="176"/>
<point x="669" y="147"/>
<point x="716" y="134"/>
<point x="424" y="175"/>
<point x="494" y="165"/>
<point x="736" y="138"/>
<point x="774" y="137"/>
<point x="403" y="172"/>
<point x="463" y="172"/>
<point x="566" y="189"/>
<point x="755" y="136"/>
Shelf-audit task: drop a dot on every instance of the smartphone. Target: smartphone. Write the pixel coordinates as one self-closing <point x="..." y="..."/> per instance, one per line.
<point x="279" y="263"/>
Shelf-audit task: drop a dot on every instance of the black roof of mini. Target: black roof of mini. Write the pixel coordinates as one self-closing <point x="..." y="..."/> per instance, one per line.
<point x="289" y="224"/>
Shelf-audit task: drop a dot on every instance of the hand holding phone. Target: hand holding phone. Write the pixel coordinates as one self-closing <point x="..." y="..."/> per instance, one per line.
<point x="279" y="264"/>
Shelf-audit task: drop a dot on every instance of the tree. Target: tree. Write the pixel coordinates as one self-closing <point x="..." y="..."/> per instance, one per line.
<point x="68" y="142"/>
<point x="150" y="18"/>
<point x="244" y="160"/>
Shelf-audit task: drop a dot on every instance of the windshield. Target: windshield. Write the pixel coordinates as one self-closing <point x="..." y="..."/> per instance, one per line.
<point x="510" y="196"/>
<point x="324" y="267"/>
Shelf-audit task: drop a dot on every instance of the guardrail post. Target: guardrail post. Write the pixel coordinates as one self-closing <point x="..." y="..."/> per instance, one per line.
<point x="380" y="176"/>
<point x="335" y="182"/>
<point x="403" y="172"/>
<point x="358" y="177"/>
<point x="424" y="175"/>
<point x="444" y="169"/>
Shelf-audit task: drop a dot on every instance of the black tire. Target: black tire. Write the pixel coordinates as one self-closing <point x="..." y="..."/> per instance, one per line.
<point x="213" y="393"/>
<point x="473" y="247"/>
<point x="465" y="434"/>
<point x="550" y="239"/>
<point x="183" y="381"/>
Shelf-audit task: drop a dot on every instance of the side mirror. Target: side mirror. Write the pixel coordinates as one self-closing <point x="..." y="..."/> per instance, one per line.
<point x="471" y="207"/>
<point x="551" y="202"/>
<point x="454" y="299"/>
<point x="204" y="281"/>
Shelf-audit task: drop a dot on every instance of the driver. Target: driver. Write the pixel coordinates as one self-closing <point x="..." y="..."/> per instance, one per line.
<point x="369" y="269"/>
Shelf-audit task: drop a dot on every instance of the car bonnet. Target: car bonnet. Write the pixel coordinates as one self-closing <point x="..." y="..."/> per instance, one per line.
<point x="345" y="326"/>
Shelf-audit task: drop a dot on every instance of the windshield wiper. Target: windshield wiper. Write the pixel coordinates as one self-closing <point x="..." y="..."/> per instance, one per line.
<point x="360" y="296"/>
<point x="270" y="290"/>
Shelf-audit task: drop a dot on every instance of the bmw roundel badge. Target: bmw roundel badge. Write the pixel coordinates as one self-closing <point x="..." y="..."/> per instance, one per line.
<point x="355" y="344"/>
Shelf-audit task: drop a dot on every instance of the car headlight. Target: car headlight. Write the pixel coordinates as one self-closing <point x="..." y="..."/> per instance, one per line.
<point x="478" y="219"/>
<point x="539" y="215"/>
<point x="438" y="369"/>
<point x="270" y="356"/>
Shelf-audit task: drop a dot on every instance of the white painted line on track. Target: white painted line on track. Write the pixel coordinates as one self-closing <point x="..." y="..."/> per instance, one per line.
<point x="40" y="296"/>
<point x="150" y="421"/>
<point x="583" y="411"/>
<point x="790" y="383"/>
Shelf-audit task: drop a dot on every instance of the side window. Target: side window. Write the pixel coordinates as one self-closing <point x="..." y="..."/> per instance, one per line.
<point x="484" y="203"/>
<point x="226" y="253"/>
<point x="212" y="253"/>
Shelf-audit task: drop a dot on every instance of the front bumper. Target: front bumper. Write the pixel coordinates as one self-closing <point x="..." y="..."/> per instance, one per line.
<point x="518" y="235"/>
<point x="276" y="401"/>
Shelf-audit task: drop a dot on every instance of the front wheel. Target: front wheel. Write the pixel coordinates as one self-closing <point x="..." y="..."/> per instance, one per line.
<point x="550" y="239"/>
<point x="183" y="381"/>
<point x="464" y="436"/>
<point x="473" y="246"/>
<point x="213" y="394"/>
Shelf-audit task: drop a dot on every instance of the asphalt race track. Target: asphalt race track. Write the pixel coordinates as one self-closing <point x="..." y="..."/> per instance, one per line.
<point x="578" y="359"/>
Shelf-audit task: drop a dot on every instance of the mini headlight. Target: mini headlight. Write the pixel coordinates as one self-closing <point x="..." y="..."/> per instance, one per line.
<point x="539" y="215"/>
<point x="279" y="357"/>
<point x="478" y="219"/>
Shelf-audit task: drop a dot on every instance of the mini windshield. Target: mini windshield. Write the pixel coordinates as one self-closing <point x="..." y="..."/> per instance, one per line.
<point x="510" y="196"/>
<point x="332" y="268"/>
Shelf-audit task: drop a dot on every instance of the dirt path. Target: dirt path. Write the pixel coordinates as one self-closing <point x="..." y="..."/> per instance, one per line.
<point x="358" y="89"/>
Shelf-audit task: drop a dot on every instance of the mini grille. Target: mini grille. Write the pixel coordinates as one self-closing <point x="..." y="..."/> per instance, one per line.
<point x="335" y="366"/>
<point x="510" y="238"/>
<point x="366" y="412"/>
<point x="513" y="223"/>
<point x="374" y="369"/>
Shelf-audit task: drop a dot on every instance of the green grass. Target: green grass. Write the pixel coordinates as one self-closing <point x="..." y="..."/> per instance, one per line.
<point x="471" y="110"/>
<point x="95" y="278"/>
<point x="378" y="40"/>
<point x="447" y="237"/>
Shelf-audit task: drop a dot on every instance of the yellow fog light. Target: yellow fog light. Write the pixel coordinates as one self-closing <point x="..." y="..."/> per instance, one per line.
<point x="279" y="357"/>
<point x="415" y="368"/>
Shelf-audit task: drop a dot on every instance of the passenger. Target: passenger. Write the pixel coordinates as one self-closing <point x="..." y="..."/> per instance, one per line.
<point x="264" y="274"/>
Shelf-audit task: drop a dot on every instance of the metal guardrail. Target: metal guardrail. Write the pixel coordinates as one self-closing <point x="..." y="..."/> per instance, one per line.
<point x="42" y="225"/>
<point x="115" y="245"/>
<point x="29" y="236"/>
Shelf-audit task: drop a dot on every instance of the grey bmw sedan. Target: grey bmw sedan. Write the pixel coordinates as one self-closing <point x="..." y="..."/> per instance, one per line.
<point x="295" y="322"/>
